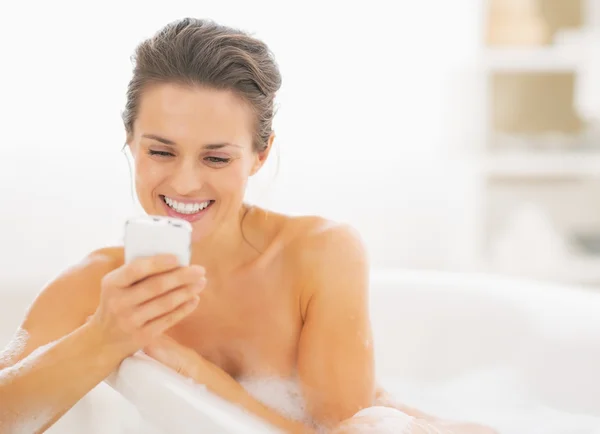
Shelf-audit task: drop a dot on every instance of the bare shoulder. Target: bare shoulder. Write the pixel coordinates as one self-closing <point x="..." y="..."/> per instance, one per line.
<point x="319" y="254"/>
<point x="77" y="286"/>
<point x="313" y="240"/>
<point x="99" y="261"/>
<point x="312" y="243"/>
<point x="69" y="299"/>
<point x="327" y="258"/>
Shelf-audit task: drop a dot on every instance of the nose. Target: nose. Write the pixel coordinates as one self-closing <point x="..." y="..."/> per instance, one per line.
<point x="187" y="178"/>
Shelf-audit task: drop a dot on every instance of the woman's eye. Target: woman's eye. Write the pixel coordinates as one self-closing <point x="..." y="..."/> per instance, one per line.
<point x="218" y="160"/>
<point x="160" y="153"/>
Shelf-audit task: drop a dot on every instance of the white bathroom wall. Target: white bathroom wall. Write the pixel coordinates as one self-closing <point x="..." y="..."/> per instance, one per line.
<point x="366" y="128"/>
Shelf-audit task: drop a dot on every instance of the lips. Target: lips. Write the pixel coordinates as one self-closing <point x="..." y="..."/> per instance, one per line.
<point x="189" y="210"/>
<point x="186" y="207"/>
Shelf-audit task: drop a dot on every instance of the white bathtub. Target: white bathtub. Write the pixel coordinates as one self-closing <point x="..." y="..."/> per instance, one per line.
<point x="521" y="356"/>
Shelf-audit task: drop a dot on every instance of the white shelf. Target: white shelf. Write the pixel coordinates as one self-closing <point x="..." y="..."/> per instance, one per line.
<point x="516" y="169"/>
<point x="543" y="165"/>
<point x="542" y="59"/>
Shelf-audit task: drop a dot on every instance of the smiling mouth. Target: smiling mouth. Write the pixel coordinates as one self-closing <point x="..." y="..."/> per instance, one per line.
<point x="188" y="208"/>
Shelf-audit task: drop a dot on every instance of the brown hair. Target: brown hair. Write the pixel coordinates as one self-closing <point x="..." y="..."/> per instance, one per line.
<point x="197" y="52"/>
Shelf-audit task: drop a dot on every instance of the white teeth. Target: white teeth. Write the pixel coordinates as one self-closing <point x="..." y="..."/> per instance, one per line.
<point x="186" y="208"/>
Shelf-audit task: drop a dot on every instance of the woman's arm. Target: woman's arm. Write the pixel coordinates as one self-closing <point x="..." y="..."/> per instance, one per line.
<point x="36" y="391"/>
<point x="336" y="355"/>
<point x="131" y="305"/>
<point x="57" y="358"/>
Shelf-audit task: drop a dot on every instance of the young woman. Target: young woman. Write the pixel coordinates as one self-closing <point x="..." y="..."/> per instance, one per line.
<point x="267" y="298"/>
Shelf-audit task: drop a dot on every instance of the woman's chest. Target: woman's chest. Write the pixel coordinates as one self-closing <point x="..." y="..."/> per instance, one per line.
<point x="246" y="326"/>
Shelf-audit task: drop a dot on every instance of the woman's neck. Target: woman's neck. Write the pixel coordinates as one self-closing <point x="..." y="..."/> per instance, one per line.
<point x="224" y="249"/>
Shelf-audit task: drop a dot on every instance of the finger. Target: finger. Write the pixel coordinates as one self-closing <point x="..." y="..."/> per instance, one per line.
<point x="158" y="285"/>
<point x="164" y="304"/>
<point x="141" y="268"/>
<point x="164" y="355"/>
<point x="171" y="353"/>
<point x="158" y="325"/>
<point x="163" y="347"/>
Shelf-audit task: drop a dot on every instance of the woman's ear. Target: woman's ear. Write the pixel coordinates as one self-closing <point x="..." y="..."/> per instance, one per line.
<point x="261" y="156"/>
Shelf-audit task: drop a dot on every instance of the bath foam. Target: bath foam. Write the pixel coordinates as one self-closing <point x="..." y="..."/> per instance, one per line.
<point x="31" y="424"/>
<point x="282" y="395"/>
<point x="384" y="420"/>
<point x="15" y="347"/>
<point x="285" y="397"/>
<point x="35" y="418"/>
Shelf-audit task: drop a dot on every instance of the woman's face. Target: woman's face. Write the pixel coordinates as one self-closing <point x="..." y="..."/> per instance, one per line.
<point x="193" y="154"/>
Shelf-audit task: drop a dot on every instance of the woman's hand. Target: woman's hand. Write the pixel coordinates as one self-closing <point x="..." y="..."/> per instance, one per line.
<point x="180" y="358"/>
<point x="187" y="362"/>
<point x="142" y="299"/>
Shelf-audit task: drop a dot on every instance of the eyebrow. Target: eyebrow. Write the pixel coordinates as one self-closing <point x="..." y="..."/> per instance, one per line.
<point x="169" y="142"/>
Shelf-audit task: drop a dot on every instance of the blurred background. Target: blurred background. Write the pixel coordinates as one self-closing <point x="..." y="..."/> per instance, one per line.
<point x="459" y="135"/>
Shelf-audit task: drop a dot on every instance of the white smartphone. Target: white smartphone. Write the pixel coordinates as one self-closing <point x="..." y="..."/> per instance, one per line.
<point x="157" y="235"/>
